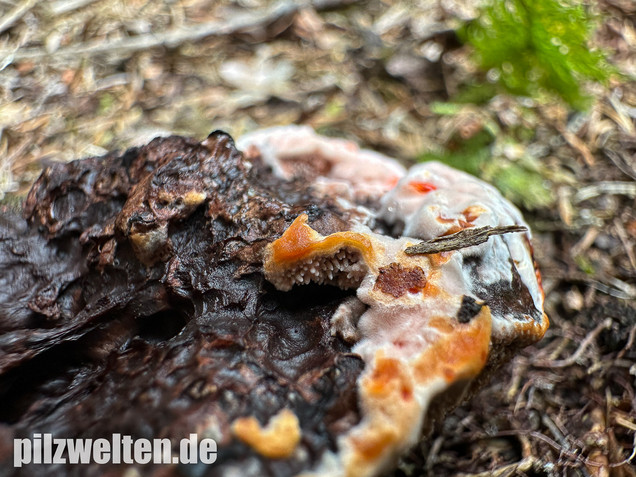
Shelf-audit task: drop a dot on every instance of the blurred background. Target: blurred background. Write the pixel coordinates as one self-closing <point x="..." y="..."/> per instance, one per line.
<point x="537" y="97"/>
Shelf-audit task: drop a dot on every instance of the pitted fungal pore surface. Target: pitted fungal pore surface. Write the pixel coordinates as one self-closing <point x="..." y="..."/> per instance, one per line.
<point x="431" y="322"/>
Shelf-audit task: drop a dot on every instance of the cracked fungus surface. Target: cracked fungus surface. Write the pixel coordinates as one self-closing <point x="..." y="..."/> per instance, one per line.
<point x="263" y="299"/>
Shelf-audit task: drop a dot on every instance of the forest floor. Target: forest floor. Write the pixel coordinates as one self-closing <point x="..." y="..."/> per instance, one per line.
<point x="81" y="77"/>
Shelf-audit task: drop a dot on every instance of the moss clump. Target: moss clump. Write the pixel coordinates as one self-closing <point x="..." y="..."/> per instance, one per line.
<point x="535" y="46"/>
<point x="520" y="181"/>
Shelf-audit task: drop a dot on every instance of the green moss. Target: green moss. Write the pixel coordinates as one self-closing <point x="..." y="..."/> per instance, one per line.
<point x="476" y="93"/>
<point x="334" y="108"/>
<point x="585" y="265"/>
<point x="445" y="109"/>
<point x="13" y="201"/>
<point x="106" y="102"/>
<point x="469" y="155"/>
<point x="533" y="46"/>
<point x="520" y="181"/>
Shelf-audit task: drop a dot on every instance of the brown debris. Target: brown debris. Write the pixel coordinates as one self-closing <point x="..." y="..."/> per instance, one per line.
<point x="396" y="280"/>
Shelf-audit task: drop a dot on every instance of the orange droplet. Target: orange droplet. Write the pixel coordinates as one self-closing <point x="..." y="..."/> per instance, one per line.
<point x="422" y="187"/>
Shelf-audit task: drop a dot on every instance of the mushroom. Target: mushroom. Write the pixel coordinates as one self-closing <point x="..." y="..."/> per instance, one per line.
<point x="280" y="301"/>
<point x="330" y="166"/>
<point x="433" y="323"/>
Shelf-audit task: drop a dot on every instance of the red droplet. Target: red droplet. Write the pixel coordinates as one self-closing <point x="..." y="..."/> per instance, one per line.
<point x="422" y="187"/>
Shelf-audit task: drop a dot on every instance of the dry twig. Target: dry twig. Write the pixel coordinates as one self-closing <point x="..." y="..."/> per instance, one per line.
<point x="169" y="38"/>
<point x="18" y="12"/>
<point x="507" y="470"/>
<point x="62" y="7"/>
<point x="613" y="188"/>
<point x="606" y="324"/>
<point x="462" y="239"/>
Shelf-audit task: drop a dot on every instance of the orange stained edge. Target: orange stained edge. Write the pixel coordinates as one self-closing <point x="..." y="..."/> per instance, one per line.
<point x="370" y="446"/>
<point x="389" y="392"/>
<point x="532" y="329"/>
<point x="277" y="440"/>
<point x="431" y="289"/>
<point x="460" y="352"/>
<point x="387" y="378"/>
<point x="300" y="241"/>
<point x="472" y="212"/>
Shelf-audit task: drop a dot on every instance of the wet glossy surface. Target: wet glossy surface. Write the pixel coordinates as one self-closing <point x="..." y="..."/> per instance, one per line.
<point x="133" y="302"/>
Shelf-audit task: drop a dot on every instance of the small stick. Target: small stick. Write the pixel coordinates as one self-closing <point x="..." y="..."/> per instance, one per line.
<point x="16" y="14"/>
<point x="463" y="238"/>
<point x="170" y="38"/>
<point x="589" y="339"/>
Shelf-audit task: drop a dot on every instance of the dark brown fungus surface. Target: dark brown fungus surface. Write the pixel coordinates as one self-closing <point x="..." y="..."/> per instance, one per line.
<point x="132" y="302"/>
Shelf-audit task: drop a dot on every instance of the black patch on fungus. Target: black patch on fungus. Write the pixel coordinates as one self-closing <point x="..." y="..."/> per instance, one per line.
<point x="469" y="309"/>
